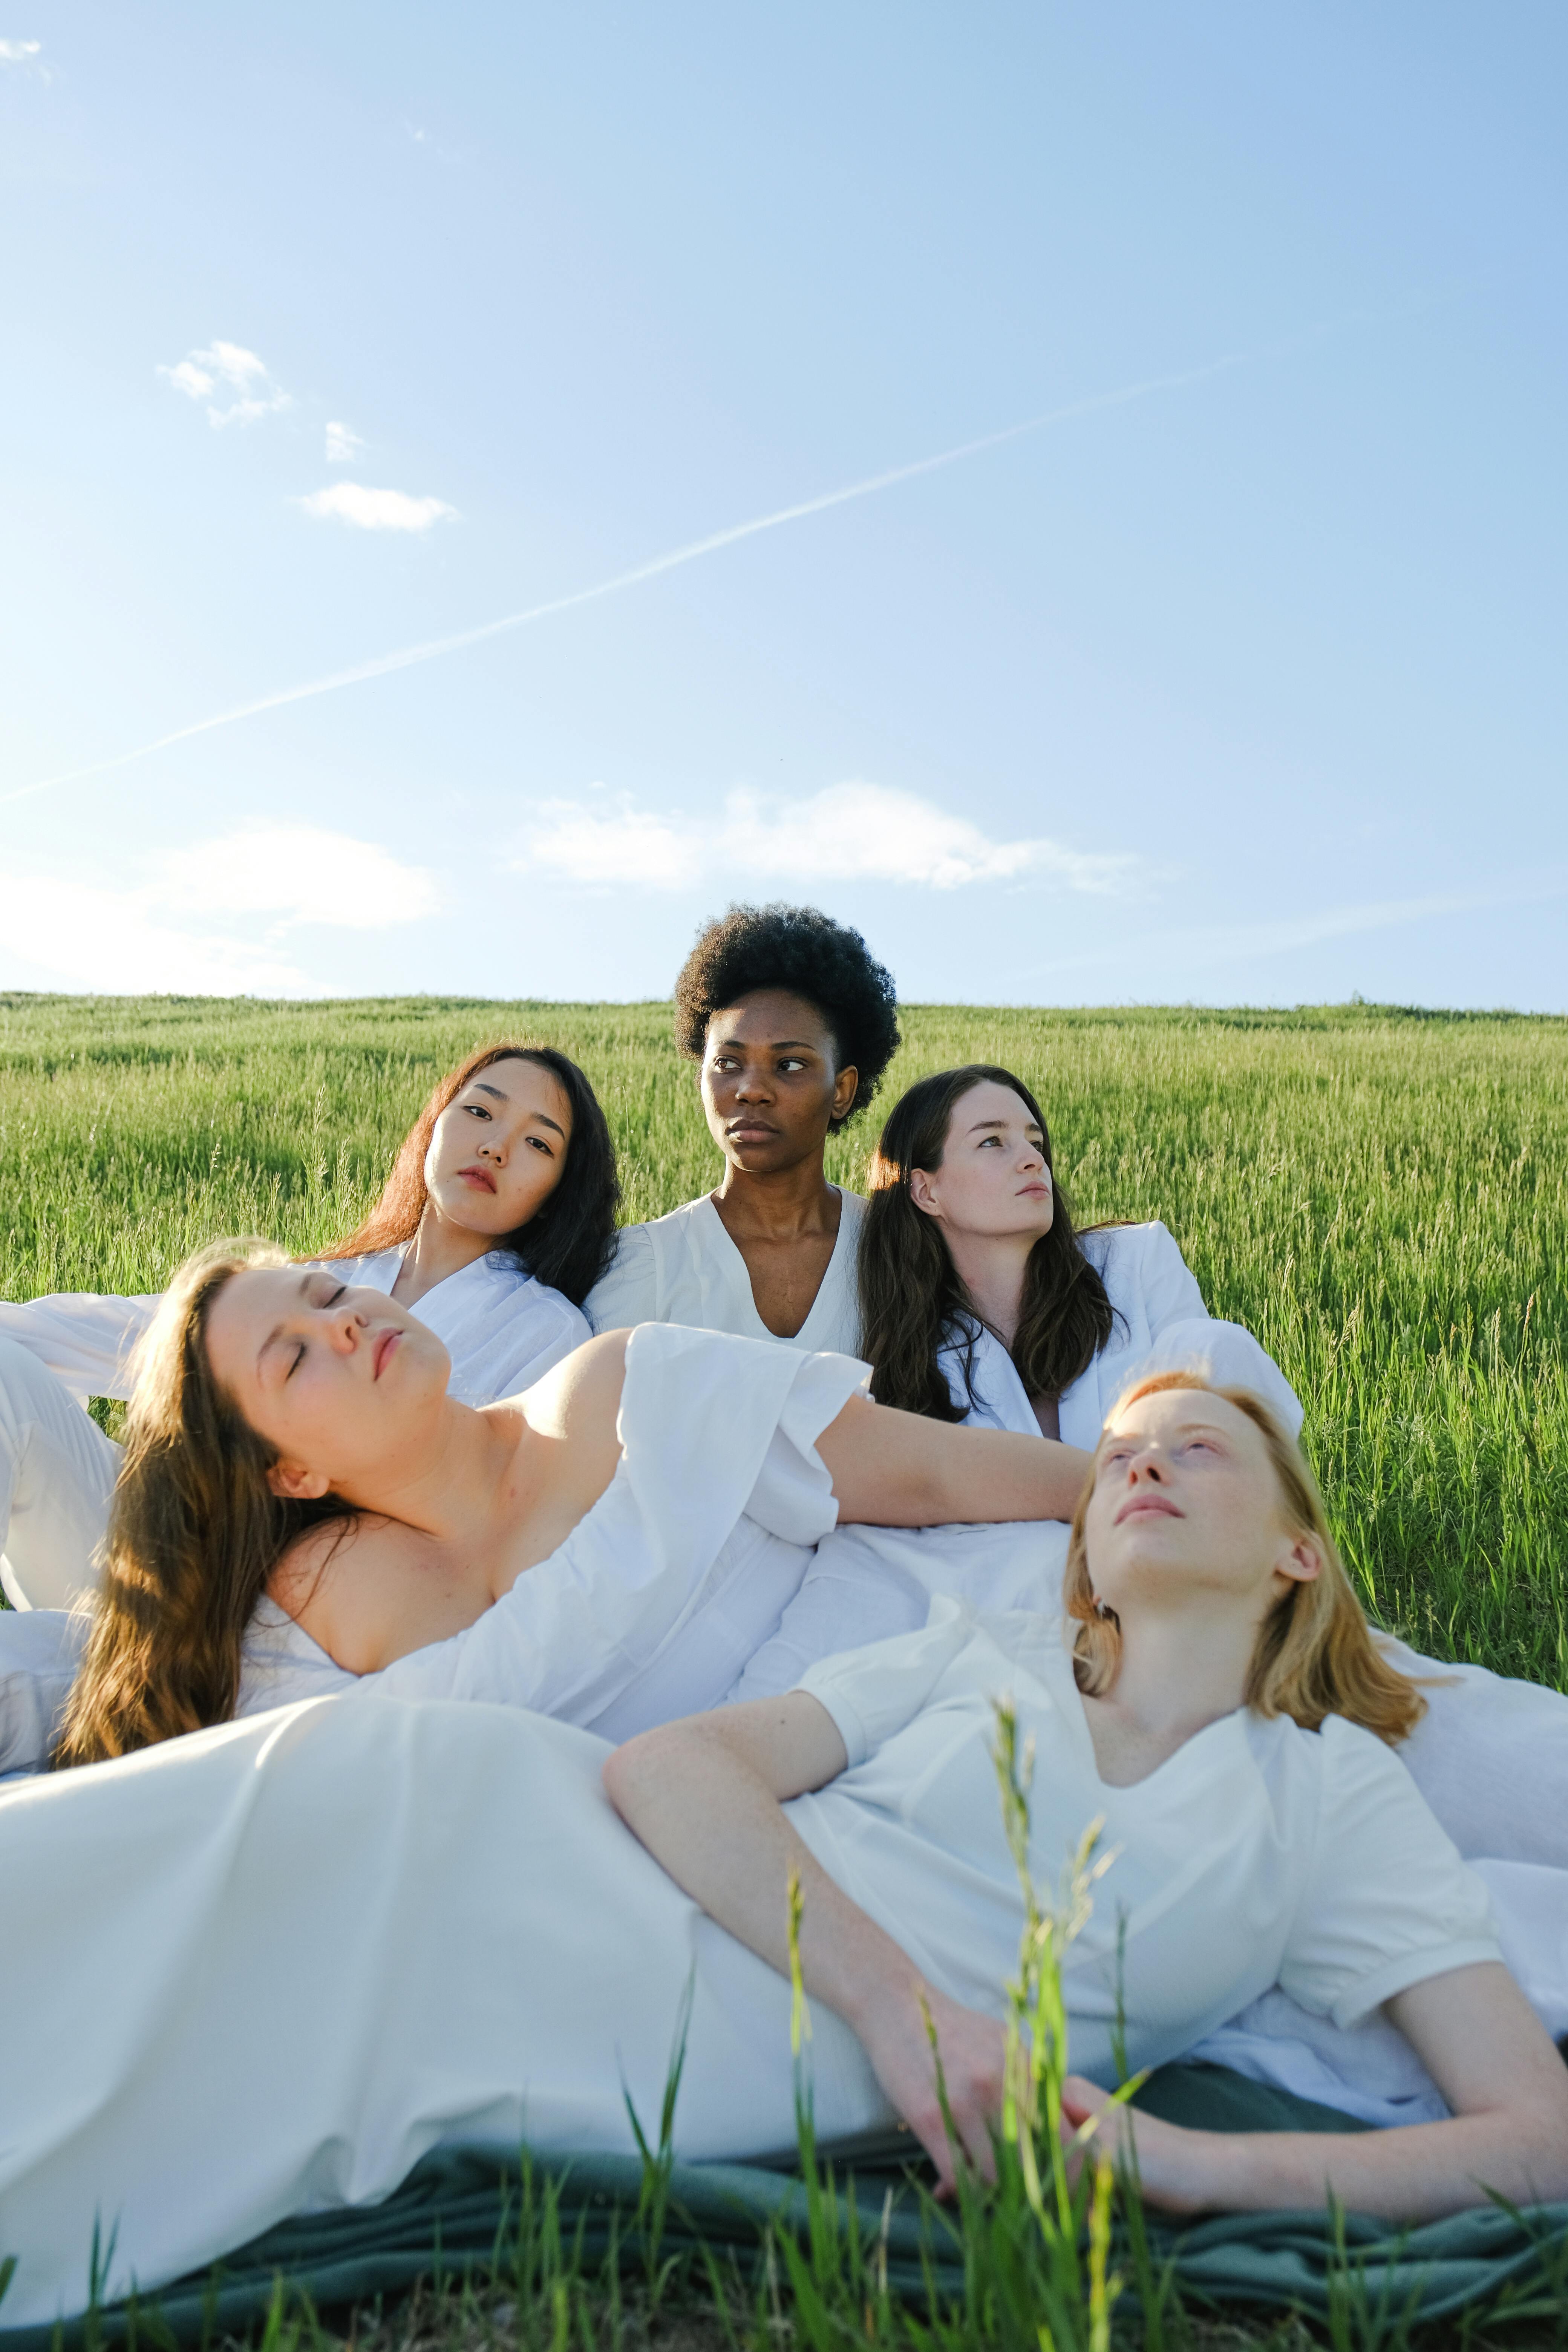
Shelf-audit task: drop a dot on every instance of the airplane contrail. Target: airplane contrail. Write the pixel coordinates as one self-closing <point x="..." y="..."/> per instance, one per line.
<point x="435" y="647"/>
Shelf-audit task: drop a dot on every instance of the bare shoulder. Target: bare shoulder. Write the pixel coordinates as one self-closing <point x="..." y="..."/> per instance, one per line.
<point x="346" y="1583"/>
<point x="579" y="1397"/>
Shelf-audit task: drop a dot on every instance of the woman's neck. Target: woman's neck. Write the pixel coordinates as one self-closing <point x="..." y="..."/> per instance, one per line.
<point x="783" y="1204"/>
<point x="438" y="1249"/>
<point x="451" y="1483"/>
<point x="1180" y="1669"/>
<point x="991" y="1267"/>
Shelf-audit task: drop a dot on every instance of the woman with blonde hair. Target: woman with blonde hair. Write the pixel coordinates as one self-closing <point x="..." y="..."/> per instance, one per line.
<point x="509" y="1963"/>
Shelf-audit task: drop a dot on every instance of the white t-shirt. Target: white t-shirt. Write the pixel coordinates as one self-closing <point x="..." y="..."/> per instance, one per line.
<point x="684" y="1268"/>
<point x="1259" y="1853"/>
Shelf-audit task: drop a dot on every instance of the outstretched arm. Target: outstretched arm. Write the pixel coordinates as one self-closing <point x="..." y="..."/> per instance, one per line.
<point x="899" y="1470"/>
<point x="705" y="1798"/>
<point x="1490" y="2057"/>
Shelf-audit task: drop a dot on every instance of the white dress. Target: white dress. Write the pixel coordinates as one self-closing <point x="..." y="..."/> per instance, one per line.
<point x="507" y="1962"/>
<point x="501" y="1329"/>
<point x="684" y="1268"/>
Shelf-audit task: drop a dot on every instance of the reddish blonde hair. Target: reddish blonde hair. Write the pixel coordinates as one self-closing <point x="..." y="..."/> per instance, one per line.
<point x="1315" y="1653"/>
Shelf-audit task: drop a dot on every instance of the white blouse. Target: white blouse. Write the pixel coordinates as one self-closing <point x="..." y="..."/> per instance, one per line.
<point x="684" y="1268"/>
<point x="503" y="1329"/>
<point x="1160" y="1321"/>
<point x="1258" y="1854"/>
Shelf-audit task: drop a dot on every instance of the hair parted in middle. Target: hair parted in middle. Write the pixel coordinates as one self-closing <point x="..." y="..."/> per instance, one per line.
<point x="194" y="1532"/>
<point x="912" y="1300"/>
<point x="567" y="1242"/>
<point x="806" y="954"/>
<point x="1315" y="1654"/>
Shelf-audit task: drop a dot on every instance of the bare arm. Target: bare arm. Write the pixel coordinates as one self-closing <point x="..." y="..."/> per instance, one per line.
<point x="705" y="1798"/>
<point x="899" y="1470"/>
<point x="1490" y="2056"/>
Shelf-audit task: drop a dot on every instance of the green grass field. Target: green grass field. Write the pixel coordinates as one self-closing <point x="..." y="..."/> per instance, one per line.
<point x="1381" y="1195"/>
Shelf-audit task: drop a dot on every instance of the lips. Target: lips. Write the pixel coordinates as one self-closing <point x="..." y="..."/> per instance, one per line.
<point x="480" y="1178"/>
<point x="749" y="1131"/>
<point x="382" y="1350"/>
<point x="1147" y="1505"/>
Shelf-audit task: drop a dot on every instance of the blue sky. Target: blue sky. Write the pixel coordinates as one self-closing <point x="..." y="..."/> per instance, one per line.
<point x="333" y="333"/>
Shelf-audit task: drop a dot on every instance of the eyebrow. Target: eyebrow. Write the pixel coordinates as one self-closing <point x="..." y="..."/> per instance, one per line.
<point x="543" y="1116"/>
<point x="1030" y="1125"/>
<point x="778" y="1046"/>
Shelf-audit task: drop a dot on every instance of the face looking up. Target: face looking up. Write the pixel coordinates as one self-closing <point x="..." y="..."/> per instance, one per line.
<point x="772" y="1085"/>
<point x="993" y="1179"/>
<point x="337" y="1380"/>
<point x="1187" y="1501"/>
<point x="499" y="1148"/>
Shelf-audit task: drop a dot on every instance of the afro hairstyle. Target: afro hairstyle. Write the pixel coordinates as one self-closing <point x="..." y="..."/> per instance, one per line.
<point x="807" y="952"/>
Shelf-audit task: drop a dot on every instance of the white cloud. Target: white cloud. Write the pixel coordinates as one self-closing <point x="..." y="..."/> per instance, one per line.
<point x="847" y="833"/>
<point x="200" y="373"/>
<point x="166" y="932"/>
<point x="18" y="53"/>
<point x="344" y="444"/>
<point x="297" y="874"/>
<point x="370" y="509"/>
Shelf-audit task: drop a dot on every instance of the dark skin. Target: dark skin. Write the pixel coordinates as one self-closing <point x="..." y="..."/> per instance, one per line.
<point x="772" y="1085"/>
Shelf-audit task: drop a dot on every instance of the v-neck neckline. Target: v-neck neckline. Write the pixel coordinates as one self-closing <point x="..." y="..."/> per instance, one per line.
<point x="1083" y="1731"/>
<point x="763" y="1331"/>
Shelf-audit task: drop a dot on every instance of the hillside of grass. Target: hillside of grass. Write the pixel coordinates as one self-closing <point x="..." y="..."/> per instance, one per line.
<point x="1381" y="1194"/>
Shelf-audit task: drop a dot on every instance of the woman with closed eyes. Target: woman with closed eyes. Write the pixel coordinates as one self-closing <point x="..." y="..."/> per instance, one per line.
<point x="495" y="1222"/>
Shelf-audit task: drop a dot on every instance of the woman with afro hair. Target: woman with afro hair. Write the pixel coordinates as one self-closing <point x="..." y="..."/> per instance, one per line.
<point x="792" y="1022"/>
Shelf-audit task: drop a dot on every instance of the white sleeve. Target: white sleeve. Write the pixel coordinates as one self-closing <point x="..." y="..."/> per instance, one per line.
<point x="1182" y="1332"/>
<point x="627" y="1291"/>
<point x="544" y="1339"/>
<point x="1228" y="1354"/>
<point x="86" y="1341"/>
<point x="873" y="1691"/>
<point x="1387" y="1902"/>
<point x="700" y="1413"/>
<point x="1168" y="1286"/>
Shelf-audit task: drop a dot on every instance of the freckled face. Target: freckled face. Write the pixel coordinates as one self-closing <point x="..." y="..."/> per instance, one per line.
<point x="993" y="1180"/>
<point x="771" y="1084"/>
<point x="499" y="1149"/>
<point x="339" y="1380"/>
<point x="1184" y="1490"/>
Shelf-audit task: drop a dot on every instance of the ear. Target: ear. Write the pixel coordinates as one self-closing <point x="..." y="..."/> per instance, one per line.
<point x="844" y="1087"/>
<point x="294" y="1484"/>
<point x="923" y="1192"/>
<point x="1299" y="1560"/>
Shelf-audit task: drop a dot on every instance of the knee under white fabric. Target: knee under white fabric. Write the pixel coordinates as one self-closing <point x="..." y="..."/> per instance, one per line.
<point x="481" y="1906"/>
<point x="56" y="1475"/>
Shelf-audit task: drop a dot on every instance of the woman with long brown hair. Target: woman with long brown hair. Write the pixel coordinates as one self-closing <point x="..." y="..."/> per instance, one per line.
<point x="981" y="1301"/>
<point x="305" y="1504"/>
<point x="495" y="1221"/>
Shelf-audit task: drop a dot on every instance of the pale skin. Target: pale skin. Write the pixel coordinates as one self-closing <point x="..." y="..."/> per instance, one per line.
<point x="1187" y="1542"/>
<point x="993" y="1198"/>
<point x="497" y="1153"/>
<point x="454" y="1505"/>
<point x="772" y="1085"/>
